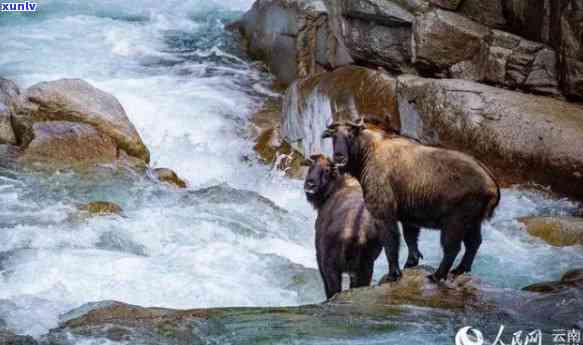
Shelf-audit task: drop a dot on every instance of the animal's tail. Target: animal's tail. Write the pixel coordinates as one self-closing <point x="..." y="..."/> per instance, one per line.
<point x="495" y="201"/>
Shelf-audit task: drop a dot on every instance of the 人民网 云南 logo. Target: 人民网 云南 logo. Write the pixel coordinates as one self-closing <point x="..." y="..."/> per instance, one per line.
<point x="469" y="336"/>
<point x="18" y="6"/>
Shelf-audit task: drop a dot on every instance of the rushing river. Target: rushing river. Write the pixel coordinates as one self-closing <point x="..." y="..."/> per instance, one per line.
<point x="241" y="235"/>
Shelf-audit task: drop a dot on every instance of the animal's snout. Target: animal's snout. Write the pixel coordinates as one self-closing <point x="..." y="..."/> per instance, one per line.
<point x="340" y="159"/>
<point x="310" y="186"/>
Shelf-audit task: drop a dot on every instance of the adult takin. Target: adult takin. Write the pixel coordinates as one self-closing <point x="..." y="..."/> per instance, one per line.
<point x="419" y="185"/>
<point x="347" y="237"/>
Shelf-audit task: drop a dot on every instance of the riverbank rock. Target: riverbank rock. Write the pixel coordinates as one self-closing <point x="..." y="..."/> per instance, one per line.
<point x="557" y="231"/>
<point x="571" y="279"/>
<point x="169" y="176"/>
<point x="360" y="316"/>
<point x="524" y="137"/>
<point x="70" y="121"/>
<point x="313" y="103"/>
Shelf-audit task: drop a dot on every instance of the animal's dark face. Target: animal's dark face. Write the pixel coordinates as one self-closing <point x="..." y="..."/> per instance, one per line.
<point x="322" y="172"/>
<point x="344" y="137"/>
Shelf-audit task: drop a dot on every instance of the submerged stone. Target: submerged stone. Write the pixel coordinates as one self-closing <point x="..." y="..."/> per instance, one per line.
<point x="557" y="231"/>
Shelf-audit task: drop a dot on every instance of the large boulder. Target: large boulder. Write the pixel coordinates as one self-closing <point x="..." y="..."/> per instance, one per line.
<point x="63" y="144"/>
<point x="527" y="138"/>
<point x="292" y="37"/>
<point x="557" y="231"/>
<point x="311" y="104"/>
<point x="76" y="101"/>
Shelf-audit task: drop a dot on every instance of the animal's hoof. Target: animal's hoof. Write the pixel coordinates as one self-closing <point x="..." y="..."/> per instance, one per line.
<point x="391" y="278"/>
<point x="457" y="272"/>
<point x="411" y="264"/>
<point x="434" y="278"/>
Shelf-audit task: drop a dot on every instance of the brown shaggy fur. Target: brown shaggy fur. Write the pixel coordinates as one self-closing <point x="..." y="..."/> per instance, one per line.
<point x="419" y="185"/>
<point x="347" y="237"/>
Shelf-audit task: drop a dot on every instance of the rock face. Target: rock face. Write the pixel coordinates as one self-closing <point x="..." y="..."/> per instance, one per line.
<point x="529" y="138"/>
<point x="292" y="37"/>
<point x="558" y="231"/>
<point x="311" y="104"/>
<point x="535" y="46"/>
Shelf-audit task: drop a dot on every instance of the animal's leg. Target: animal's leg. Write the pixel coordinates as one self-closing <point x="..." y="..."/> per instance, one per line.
<point x="451" y="241"/>
<point x="472" y="242"/>
<point x="411" y="234"/>
<point x="332" y="282"/>
<point x="391" y="241"/>
<point x="363" y="277"/>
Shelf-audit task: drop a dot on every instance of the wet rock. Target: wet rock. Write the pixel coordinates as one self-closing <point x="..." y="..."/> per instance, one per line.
<point x="525" y="137"/>
<point x="68" y="144"/>
<point x="311" y="104"/>
<point x="415" y="288"/>
<point x="101" y="208"/>
<point x="270" y="146"/>
<point x="169" y="176"/>
<point x="75" y="100"/>
<point x="373" y="313"/>
<point x="292" y="37"/>
<point x="7" y="135"/>
<point x="557" y="231"/>
<point x="571" y="279"/>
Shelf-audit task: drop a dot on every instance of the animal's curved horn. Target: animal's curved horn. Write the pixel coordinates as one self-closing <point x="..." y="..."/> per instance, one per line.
<point x="307" y="162"/>
<point x="360" y="124"/>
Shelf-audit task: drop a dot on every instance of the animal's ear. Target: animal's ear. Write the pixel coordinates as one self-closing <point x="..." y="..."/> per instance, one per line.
<point x="334" y="171"/>
<point x="329" y="133"/>
<point x="359" y="125"/>
<point x="307" y="162"/>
